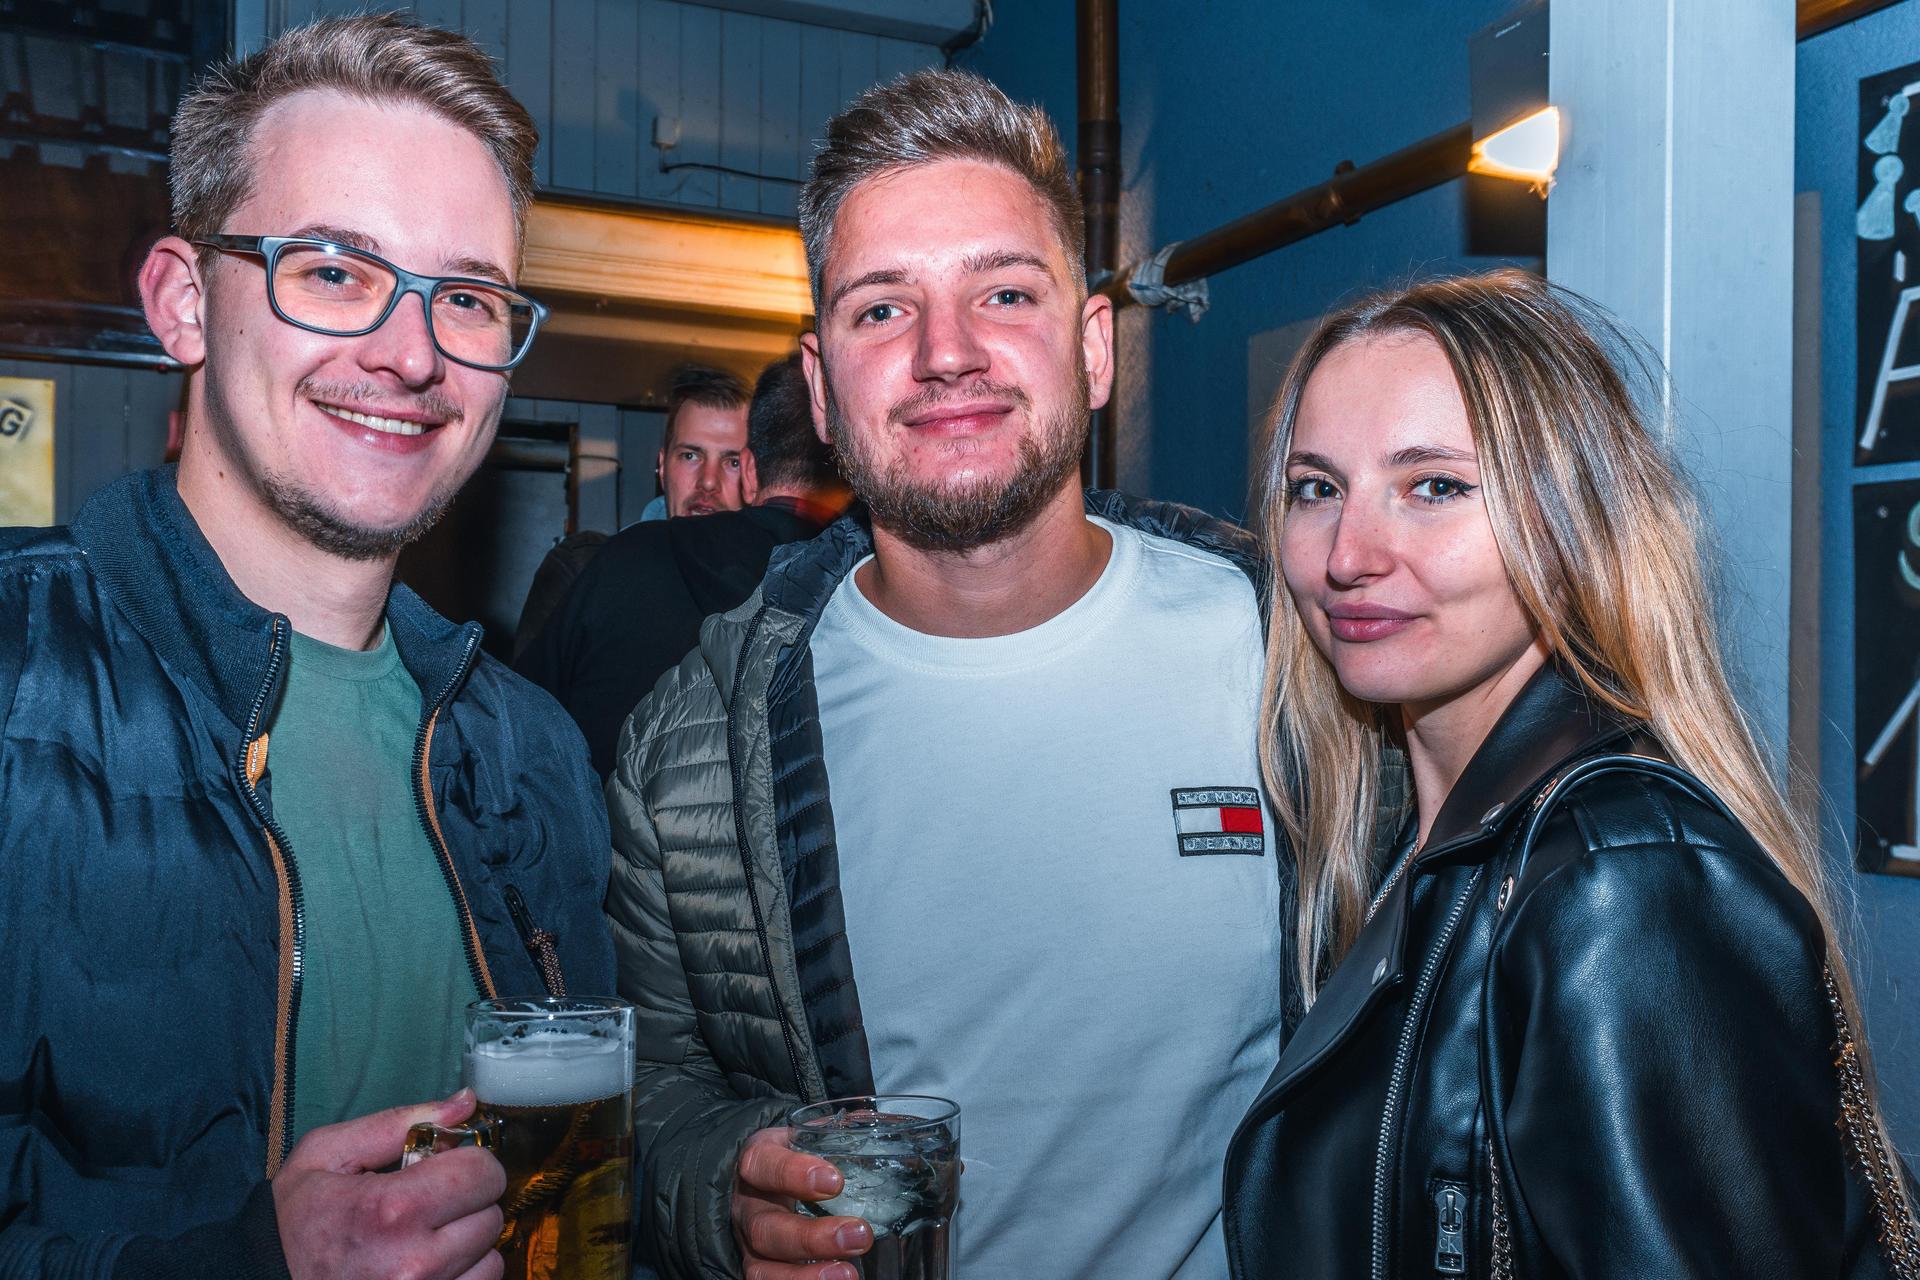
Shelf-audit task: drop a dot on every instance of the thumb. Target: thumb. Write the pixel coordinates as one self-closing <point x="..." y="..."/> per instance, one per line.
<point x="375" y="1141"/>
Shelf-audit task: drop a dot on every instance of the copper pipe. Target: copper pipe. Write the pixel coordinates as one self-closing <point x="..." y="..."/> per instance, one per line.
<point x="1098" y="40"/>
<point x="1814" y="16"/>
<point x="1344" y="198"/>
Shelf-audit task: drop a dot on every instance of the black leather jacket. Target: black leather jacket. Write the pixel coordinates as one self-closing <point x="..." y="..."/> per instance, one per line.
<point x="1660" y="1054"/>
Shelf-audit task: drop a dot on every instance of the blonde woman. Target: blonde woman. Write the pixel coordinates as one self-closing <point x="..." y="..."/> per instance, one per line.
<point x="1588" y="1019"/>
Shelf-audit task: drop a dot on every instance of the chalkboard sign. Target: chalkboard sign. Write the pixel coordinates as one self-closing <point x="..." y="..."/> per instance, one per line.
<point x="1886" y="544"/>
<point x="1887" y="230"/>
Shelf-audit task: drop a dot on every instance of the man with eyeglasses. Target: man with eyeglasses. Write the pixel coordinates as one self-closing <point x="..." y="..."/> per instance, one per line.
<point x="267" y="822"/>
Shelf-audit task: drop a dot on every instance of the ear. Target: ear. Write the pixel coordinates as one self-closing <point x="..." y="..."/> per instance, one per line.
<point x="816" y="382"/>
<point x="749" y="479"/>
<point x="174" y="295"/>
<point x="1096" y="348"/>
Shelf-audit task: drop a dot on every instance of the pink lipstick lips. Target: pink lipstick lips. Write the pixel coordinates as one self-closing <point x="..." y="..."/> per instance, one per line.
<point x="1363" y="623"/>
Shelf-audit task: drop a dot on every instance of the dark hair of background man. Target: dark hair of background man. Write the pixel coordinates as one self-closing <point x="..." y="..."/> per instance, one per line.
<point x="635" y="610"/>
<point x="784" y="455"/>
<point x="705" y="386"/>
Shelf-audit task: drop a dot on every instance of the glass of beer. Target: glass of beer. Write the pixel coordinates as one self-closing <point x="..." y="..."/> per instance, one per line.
<point x="554" y="1079"/>
<point x="900" y="1156"/>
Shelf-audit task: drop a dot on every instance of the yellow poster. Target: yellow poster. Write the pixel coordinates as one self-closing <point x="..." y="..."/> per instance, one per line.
<point x="26" y="451"/>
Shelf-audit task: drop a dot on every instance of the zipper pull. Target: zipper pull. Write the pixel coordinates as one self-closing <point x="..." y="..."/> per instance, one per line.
<point x="539" y="943"/>
<point x="1450" y="1229"/>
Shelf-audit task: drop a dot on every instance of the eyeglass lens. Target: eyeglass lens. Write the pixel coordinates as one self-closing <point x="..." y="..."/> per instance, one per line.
<point x="342" y="292"/>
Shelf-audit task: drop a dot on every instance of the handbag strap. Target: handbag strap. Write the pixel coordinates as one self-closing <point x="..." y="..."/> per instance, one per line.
<point x="1896" y="1228"/>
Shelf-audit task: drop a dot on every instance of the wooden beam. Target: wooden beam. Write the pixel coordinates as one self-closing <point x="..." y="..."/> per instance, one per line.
<point x="752" y="270"/>
<point x="1815" y="16"/>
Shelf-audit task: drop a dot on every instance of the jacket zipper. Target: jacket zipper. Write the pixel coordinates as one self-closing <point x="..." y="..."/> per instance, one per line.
<point x="1402" y="1063"/>
<point x="541" y="946"/>
<point x="423" y="805"/>
<point x="746" y="855"/>
<point x="296" y="900"/>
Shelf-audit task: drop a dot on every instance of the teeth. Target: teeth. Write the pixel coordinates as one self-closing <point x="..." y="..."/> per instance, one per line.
<point x="392" y="426"/>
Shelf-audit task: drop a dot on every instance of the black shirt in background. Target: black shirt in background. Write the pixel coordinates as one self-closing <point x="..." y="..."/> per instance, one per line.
<point x="635" y="610"/>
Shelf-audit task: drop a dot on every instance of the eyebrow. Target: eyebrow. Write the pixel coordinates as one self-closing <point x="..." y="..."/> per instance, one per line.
<point x="1001" y="259"/>
<point x="1409" y="457"/>
<point x="478" y="268"/>
<point x="886" y="275"/>
<point x="973" y="264"/>
<point x="1419" y="453"/>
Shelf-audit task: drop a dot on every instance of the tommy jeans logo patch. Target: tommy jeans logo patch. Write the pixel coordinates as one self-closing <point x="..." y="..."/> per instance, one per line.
<point x="1218" y="820"/>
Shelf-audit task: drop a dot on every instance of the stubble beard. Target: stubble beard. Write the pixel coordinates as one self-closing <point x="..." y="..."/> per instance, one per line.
<point x="964" y="516"/>
<point x="308" y="513"/>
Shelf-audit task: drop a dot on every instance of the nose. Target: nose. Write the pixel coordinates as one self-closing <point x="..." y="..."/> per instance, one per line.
<point x="1362" y="548"/>
<point x="708" y="480"/>
<point x="949" y="349"/>
<point x="403" y="347"/>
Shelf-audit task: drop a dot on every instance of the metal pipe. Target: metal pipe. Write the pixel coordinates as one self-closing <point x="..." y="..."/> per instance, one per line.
<point x="1098" y="41"/>
<point x="1814" y="16"/>
<point x="1343" y="199"/>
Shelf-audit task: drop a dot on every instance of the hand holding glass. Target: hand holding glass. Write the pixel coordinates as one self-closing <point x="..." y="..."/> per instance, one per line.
<point x="554" y="1079"/>
<point x="900" y="1157"/>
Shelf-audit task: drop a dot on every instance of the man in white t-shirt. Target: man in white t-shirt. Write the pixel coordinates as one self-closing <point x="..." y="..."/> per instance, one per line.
<point x="965" y="800"/>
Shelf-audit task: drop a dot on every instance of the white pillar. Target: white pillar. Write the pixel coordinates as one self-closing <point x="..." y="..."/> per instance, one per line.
<point x="1674" y="209"/>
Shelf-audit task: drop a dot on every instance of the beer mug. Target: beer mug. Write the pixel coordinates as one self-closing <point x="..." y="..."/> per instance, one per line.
<point x="554" y="1079"/>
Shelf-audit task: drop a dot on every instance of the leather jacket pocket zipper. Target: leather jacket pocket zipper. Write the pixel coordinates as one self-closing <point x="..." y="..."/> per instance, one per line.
<point x="1450" y="1228"/>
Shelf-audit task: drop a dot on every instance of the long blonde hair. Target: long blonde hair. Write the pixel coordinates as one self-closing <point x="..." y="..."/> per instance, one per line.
<point x="1601" y="539"/>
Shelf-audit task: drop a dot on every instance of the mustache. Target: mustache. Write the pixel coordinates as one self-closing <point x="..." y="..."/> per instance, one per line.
<point x="432" y="403"/>
<point x="936" y="395"/>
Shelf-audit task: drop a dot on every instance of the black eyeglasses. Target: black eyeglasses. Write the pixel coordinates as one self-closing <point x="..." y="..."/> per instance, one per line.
<point x="330" y="288"/>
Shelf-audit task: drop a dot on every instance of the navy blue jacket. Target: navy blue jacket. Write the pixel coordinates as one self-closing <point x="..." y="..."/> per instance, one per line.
<point x="150" y="908"/>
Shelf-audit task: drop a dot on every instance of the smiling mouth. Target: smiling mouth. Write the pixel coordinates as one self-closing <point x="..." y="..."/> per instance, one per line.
<point x="391" y="426"/>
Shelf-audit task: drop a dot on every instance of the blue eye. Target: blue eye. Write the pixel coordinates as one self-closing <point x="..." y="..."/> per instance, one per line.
<point x="878" y="313"/>
<point x="1011" y="297"/>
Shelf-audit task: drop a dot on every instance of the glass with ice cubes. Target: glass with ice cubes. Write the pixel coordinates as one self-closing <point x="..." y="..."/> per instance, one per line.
<point x="900" y="1156"/>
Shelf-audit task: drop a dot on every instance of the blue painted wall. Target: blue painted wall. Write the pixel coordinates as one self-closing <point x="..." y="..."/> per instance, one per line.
<point x="1887" y="955"/>
<point x="1228" y="105"/>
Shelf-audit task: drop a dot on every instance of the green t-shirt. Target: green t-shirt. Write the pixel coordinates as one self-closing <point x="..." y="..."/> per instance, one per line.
<point x="385" y="976"/>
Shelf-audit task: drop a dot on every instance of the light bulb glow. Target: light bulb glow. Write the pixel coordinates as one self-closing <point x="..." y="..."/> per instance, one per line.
<point x="1527" y="150"/>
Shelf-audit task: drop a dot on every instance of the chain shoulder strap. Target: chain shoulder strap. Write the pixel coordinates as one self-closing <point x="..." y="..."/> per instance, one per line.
<point x="1898" y="1234"/>
<point x="1502" y="1232"/>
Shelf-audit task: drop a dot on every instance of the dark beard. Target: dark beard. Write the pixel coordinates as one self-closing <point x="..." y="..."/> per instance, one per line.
<point x="959" y="518"/>
<point x="332" y="533"/>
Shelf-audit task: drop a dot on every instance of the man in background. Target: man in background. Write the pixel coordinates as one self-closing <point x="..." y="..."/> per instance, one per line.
<point x="699" y="464"/>
<point x="636" y="609"/>
<point x="262" y="811"/>
<point x="700" y="467"/>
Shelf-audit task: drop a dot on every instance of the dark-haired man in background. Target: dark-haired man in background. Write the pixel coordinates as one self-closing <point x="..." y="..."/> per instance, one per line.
<point x="702" y="450"/>
<point x="636" y="609"/>
<point x="700" y="468"/>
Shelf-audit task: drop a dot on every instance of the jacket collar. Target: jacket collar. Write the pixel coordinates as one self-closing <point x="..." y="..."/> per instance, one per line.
<point x="1550" y="723"/>
<point x="159" y="569"/>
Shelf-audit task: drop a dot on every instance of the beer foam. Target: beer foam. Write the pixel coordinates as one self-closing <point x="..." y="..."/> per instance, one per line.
<point x="548" y="1069"/>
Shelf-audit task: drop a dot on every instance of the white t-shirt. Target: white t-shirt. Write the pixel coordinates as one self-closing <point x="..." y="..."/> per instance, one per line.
<point x="1062" y="903"/>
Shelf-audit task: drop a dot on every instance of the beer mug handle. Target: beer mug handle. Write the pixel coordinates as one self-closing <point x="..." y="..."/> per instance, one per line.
<point x="427" y="1139"/>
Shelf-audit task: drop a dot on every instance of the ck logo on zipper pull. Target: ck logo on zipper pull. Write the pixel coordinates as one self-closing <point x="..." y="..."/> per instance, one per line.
<point x="1450" y="1229"/>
